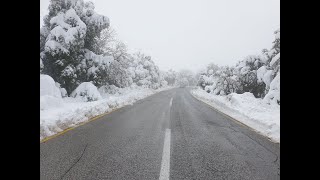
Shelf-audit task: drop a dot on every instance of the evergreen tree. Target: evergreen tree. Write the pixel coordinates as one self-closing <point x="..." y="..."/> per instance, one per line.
<point x="66" y="39"/>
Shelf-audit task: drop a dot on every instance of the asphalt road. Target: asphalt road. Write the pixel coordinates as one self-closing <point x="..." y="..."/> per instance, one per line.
<point x="168" y="135"/>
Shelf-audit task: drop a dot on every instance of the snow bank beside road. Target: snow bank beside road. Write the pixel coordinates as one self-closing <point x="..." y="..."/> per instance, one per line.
<point x="247" y="109"/>
<point x="72" y="111"/>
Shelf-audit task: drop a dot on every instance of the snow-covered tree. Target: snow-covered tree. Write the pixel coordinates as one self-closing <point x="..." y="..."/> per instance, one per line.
<point x="67" y="39"/>
<point x="105" y="43"/>
<point x="171" y="77"/>
<point x="110" y="45"/>
<point x="271" y="68"/>
<point x="183" y="82"/>
<point x="209" y="78"/>
<point x="199" y="77"/>
<point x="144" y="71"/>
<point x="202" y="80"/>
<point x="94" y="68"/>
<point x="189" y="75"/>
<point x="275" y="54"/>
<point x="212" y="68"/>
<point x="273" y="96"/>
<point x="226" y="81"/>
<point x="118" y="74"/>
<point x="162" y="80"/>
<point x="271" y="77"/>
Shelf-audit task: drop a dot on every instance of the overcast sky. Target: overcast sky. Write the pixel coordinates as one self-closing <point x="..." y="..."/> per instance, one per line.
<point x="189" y="34"/>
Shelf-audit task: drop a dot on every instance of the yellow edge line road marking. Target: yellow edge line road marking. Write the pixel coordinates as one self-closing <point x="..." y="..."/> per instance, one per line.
<point x="235" y="120"/>
<point x="77" y="125"/>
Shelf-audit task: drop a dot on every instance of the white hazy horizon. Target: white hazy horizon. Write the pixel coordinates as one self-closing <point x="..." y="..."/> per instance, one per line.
<point x="189" y="34"/>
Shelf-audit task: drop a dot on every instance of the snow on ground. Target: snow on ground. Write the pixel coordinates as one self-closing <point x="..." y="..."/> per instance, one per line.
<point x="58" y="115"/>
<point x="247" y="109"/>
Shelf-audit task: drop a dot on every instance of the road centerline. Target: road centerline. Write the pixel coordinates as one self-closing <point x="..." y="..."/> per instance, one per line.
<point x="165" y="162"/>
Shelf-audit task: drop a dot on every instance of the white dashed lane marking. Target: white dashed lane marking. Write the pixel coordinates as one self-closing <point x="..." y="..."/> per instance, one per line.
<point x="165" y="162"/>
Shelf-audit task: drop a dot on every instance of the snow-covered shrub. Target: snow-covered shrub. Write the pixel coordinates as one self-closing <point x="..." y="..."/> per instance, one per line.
<point x="219" y="80"/>
<point x="209" y="89"/>
<point x="48" y="86"/>
<point x="246" y="70"/>
<point x="50" y="95"/>
<point x="86" y="92"/>
<point x="41" y="65"/>
<point x="264" y="75"/>
<point x="239" y="99"/>
<point x="62" y="90"/>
